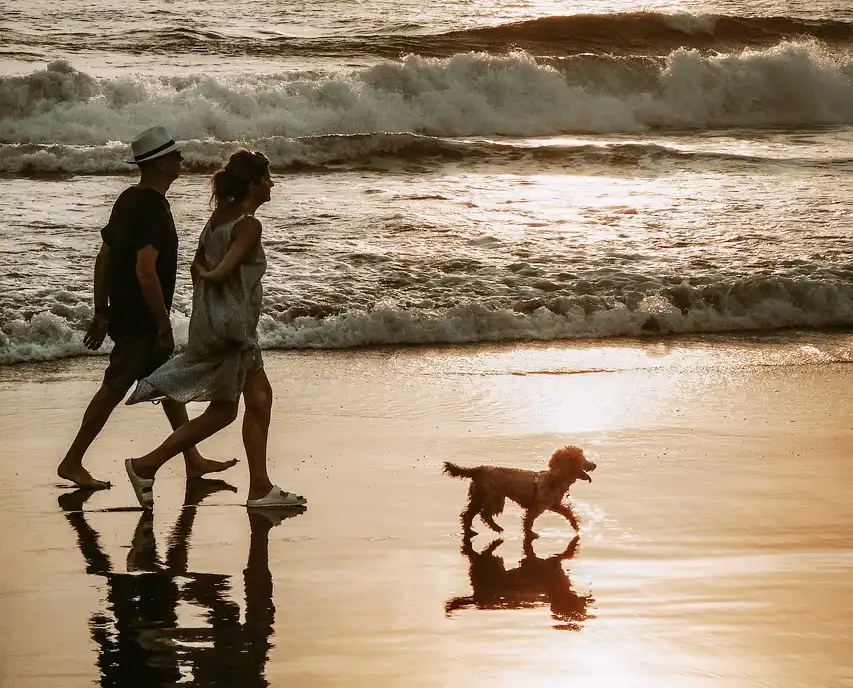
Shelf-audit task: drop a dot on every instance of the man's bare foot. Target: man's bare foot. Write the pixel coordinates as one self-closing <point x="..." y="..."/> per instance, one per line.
<point x="82" y="478"/>
<point x="198" y="467"/>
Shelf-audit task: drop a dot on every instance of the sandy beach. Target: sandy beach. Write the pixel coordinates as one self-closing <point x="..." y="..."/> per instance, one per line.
<point x="715" y="547"/>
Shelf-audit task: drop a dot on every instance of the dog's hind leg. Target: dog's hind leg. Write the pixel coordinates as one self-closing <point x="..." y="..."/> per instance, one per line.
<point x="475" y="503"/>
<point x="493" y="507"/>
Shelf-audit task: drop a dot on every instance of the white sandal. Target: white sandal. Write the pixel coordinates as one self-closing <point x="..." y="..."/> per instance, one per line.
<point x="143" y="488"/>
<point x="277" y="498"/>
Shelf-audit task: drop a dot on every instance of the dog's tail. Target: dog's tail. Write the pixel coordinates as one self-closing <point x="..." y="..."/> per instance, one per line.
<point x="455" y="471"/>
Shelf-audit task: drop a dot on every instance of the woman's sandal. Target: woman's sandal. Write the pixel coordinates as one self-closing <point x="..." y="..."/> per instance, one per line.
<point x="277" y="498"/>
<point x="143" y="488"/>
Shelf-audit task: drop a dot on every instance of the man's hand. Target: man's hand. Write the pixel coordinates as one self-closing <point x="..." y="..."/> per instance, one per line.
<point x="165" y="339"/>
<point x="96" y="332"/>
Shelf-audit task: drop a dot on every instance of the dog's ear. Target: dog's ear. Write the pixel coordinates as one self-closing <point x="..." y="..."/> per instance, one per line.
<point x="567" y="459"/>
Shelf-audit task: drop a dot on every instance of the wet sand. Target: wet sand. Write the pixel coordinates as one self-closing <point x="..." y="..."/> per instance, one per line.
<point x="715" y="547"/>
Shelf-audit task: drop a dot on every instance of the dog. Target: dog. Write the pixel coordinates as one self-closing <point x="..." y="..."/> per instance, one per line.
<point x="535" y="581"/>
<point x="534" y="491"/>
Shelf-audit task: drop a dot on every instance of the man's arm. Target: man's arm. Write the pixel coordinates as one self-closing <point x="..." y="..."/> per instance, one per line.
<point x="98" y="329"/>
<point x="102" y="284"/>
<point x="152" y="292"/>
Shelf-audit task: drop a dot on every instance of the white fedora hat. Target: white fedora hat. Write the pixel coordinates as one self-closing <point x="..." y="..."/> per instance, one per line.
<point x="150" y="144"/>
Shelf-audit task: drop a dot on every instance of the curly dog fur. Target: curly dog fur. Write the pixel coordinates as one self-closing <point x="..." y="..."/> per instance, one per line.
<point x="534" y="491"/>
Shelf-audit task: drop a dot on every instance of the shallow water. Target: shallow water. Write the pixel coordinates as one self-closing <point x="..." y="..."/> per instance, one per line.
<point x="467" y="255"/>
<point x="714" y="549"/>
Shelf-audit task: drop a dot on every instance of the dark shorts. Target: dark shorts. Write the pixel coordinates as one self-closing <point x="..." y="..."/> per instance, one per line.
<point x="133" y="358"/>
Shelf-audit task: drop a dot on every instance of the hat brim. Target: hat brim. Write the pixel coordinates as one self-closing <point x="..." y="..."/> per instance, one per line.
<point x="159" y="154"/>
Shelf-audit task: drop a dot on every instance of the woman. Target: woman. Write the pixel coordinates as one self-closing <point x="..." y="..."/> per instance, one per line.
<point x="222" y="358"/>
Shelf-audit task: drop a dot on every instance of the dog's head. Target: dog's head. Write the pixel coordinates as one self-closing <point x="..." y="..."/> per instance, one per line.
<point x="570" y="463"/>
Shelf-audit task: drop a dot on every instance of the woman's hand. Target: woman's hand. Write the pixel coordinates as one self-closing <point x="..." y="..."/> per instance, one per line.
<point x="199" y="270"/>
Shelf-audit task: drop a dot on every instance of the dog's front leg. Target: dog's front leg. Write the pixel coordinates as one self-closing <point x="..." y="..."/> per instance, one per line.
<point x="565" y="510"/>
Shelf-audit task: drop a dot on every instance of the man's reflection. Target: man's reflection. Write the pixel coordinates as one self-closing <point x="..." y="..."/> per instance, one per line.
<point x="141" y="640"/>
<point x="534" y="582"/>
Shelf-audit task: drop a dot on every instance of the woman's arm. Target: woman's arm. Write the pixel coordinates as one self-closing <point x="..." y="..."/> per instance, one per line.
<point x="245" y="236"/>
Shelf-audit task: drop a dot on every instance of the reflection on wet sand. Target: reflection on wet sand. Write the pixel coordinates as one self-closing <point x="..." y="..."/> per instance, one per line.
<point x="535" y="581"/>
<point x="140" y="640"/>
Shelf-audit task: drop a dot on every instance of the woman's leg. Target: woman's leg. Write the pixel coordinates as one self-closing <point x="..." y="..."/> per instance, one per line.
<point x="196" y="464"/>
<point x="218" y="415"/>
<point x="257" y="393"/>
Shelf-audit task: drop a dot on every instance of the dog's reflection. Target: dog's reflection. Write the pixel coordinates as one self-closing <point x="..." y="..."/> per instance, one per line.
<point x="535" y="581"/>
<point x="140" y="637"/>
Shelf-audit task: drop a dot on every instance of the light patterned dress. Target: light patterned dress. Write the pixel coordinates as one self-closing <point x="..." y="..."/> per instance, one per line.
<point x="222" y="346"/>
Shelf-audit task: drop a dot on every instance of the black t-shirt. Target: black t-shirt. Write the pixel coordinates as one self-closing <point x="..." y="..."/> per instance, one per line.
<point x="140" y="218"/>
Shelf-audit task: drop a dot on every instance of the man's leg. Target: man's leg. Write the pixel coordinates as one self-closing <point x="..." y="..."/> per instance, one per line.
<point x="196" y="464"/>
<point x="94" y="419"/>
<point x="119" y="376"/>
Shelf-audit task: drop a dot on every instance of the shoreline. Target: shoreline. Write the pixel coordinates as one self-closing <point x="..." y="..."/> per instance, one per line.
<point x="777" y="338"/>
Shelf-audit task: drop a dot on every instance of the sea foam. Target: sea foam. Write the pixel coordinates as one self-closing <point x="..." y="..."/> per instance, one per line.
<point x="755" y="304"/>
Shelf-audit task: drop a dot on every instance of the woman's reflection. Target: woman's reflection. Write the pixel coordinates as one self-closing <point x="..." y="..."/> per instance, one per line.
<point x="140" y="638"/>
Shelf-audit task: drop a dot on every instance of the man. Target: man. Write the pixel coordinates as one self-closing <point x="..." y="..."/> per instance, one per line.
<point x="134" y="283"/>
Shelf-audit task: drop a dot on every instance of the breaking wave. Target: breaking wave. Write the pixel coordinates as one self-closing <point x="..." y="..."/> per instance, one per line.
<point x="62" y="120"/>
<point x="753" y="304"/>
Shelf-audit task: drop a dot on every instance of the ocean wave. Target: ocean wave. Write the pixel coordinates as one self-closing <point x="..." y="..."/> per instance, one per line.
<point x="389" y="151"/>
<point x="649" y="33"/>
<point x="750" y="304"/>
<point x="633" y="33"/>
<point x="60" y="119"/>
